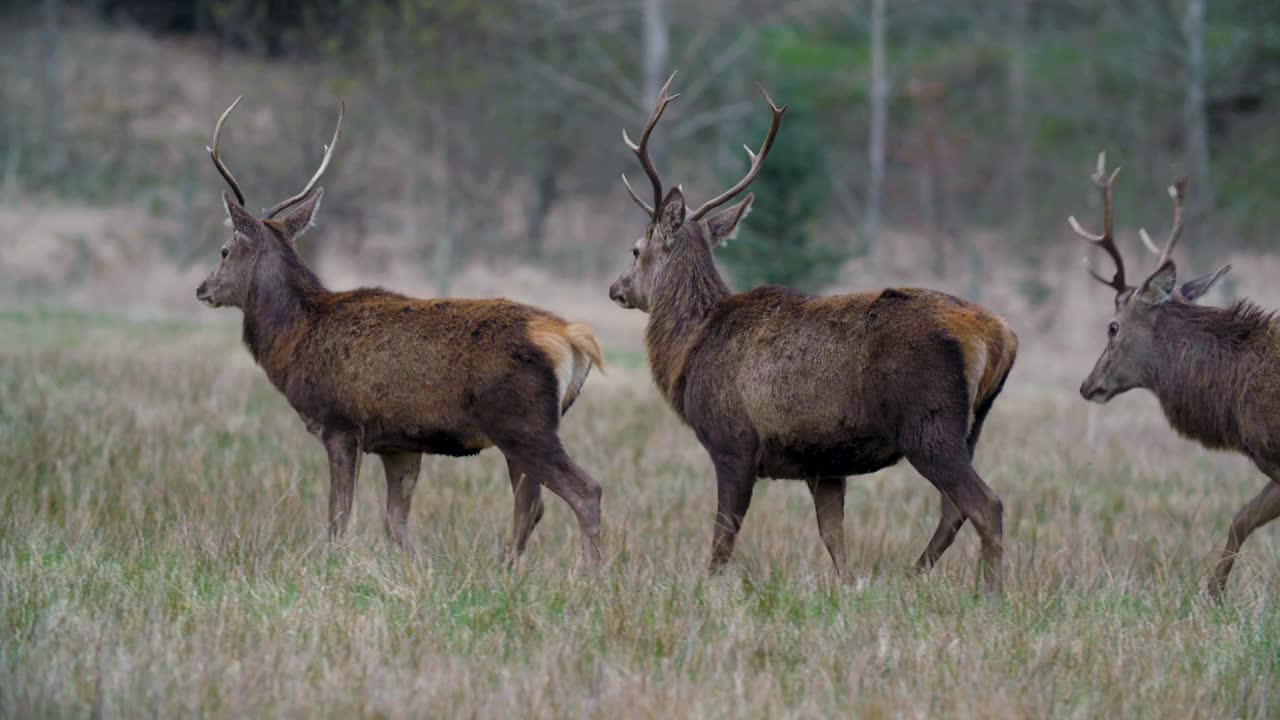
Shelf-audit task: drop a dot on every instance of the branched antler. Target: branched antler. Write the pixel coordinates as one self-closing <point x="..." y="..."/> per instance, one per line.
<point x="757" y="159"/>
<point x="1177" y="191"/>
<point x="1106" y="240"/>
<point x="324" y="164"/>
<point x="217" y="161"/>
<point x="641" y="151"/>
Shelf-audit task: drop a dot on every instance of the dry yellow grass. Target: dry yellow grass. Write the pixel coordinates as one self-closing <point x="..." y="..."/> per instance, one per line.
<point x="162" y="553"/>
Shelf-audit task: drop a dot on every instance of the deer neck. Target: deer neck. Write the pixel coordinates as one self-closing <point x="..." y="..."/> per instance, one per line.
<point x="690" y="293"/>
<point x="1203" y="369"/>
<point x="282" y="295"/>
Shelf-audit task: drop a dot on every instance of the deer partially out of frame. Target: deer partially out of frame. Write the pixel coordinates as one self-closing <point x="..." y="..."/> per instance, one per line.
<point x="1215" y="371"/>
<point x="779" y="384"/>
<point x="370" y="371"/>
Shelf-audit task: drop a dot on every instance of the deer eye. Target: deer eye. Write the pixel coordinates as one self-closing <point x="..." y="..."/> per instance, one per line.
<point x="635" y="253"/>
<point x="225" y="252"/>
<point x="1112" y="329"/>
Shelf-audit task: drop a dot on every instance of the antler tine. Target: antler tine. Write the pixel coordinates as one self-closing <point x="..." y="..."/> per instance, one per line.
<point x="1106" y="240"/>
<point x="641" y="150"/>
<point x="1177" y="191"/>
<point x="217" y="161"/>
<point x="324" y="164"/>
<point x="757" y="159"/>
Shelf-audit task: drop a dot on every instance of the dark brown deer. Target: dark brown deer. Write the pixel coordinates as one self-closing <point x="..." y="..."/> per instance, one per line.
<point x="1215" y="371"/>
<point x="779" y="384"/>
<point x="370" y="371"/>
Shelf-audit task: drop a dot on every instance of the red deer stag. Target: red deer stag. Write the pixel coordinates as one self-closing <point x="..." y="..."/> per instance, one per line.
<point x="370" y="371"/>
<point x="1215" y="371"/>
<point x="779" y="384"/>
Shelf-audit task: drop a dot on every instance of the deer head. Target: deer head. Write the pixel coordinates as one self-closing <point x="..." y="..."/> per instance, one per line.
<point x="1134" y="335"/>
<point x="671" y="224"/>
<point x="253" y="238"/>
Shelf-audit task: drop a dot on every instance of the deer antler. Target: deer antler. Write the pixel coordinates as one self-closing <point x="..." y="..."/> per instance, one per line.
<point x="217" y="161"/>
<point x="1177" y="191"/>
<point x="642" y="151"/>
<point x="757" y="159"/>
<point x="1106" y="240"/>
<point x="324" y="164"/>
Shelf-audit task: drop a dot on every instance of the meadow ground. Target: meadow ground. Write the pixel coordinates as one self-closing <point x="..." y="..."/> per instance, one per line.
<point x="163" y="553"/>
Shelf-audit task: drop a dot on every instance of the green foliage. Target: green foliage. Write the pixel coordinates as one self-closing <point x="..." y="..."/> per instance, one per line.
<point x="777" y="244"/>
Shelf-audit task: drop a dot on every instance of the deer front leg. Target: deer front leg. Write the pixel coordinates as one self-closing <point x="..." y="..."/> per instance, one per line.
<point x="735" y="482"/>
<point x="828" y="502"/>
<point x="1257" y="512"/>
<point x="344" y="467"/>
<point x="402" y="477"/>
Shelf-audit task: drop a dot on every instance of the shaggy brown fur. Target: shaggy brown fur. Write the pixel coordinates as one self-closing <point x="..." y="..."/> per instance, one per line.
<point x="779" y="384"/>
<point x="1216" y="373"/>
<point x="370" y="371"/>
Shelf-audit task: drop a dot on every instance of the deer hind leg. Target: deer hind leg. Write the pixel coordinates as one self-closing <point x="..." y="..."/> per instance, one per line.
<point x="344" y="468"/>
<point x="948" y="525"/>
<point x="401" y="470"/>
<point x="955" y="478"/>
<point x="545" y="463"/>
<point x="528" y="509"/>
<point x="828" y="503"/>
<point x="1257" y="512"/>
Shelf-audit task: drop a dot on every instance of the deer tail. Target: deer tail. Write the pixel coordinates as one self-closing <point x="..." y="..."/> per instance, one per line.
<point x="586" y="352"/>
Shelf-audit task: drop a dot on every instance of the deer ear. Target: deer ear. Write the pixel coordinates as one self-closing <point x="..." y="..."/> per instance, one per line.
<point x="238" y="218"/>
<point x="1159" y="287"/>
<point x="1193" y="289"/>
<point x="671" y="213"/>
<point x="303" y="216"/>
<point x="724" y="224"/>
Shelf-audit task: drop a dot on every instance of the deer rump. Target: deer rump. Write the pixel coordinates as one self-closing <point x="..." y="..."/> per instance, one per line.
<point x="423" y="375"/>
<point x="844" y="385"/>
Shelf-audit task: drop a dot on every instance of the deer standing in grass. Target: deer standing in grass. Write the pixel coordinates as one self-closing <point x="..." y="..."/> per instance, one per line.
<point x="779" y="384"/>
<point x="370" y="371"/>
<point x="1215" y="371"/>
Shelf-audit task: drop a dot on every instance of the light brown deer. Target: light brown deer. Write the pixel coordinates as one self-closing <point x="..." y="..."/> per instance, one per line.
<point x="779" y="384"/>
<point x="1215" y="371"/>
<point x="370" y="371"/>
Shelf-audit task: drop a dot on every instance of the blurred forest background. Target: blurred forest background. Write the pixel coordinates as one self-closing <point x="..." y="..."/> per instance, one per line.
<point x="931" y="143"/>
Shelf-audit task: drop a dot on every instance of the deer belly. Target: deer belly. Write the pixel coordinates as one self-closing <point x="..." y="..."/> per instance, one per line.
<point x="426" y="440"/>
<point x="796" y="459"/>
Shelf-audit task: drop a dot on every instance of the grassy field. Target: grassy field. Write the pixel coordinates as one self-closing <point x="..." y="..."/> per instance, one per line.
<point x="162" y="553"/>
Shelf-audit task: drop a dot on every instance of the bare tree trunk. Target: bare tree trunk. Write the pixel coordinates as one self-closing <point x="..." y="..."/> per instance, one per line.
<point x="879" y="118"/>
<point x="1017" y="79"/>
<point x="52" y="91"/>
<point x="657" y="46"/>
<point x="1196" y="123"/>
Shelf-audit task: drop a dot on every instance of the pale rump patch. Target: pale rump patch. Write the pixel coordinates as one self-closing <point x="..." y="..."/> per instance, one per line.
<point x="572" y="349"/>
<point x="975" y="368"/>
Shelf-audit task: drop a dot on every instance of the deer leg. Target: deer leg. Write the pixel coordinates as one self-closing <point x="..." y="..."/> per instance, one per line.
<point x="527" y="511"/>
<point x="550" y="467"/>
<point x="958" y="481"/>
<point x="828" y="502"/>
<point x="344" y="467"/>
<point x="401" y="470"/>
<point x="735" y="481"/>
<point x="948" y="525"/>
<point x="1257" y="512"/>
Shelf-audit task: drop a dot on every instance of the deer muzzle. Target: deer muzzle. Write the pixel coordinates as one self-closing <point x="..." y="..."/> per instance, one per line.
<point x="617" y="295"/>
<point x="202" y="294"/>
